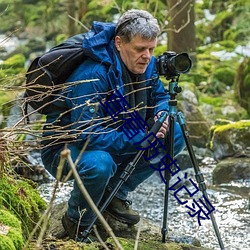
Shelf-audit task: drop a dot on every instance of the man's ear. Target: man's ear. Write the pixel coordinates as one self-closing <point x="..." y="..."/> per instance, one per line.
<point x="118" y="42"/>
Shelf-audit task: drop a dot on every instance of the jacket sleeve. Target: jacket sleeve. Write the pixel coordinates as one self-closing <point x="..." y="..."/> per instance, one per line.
<point x="89" y="121"/>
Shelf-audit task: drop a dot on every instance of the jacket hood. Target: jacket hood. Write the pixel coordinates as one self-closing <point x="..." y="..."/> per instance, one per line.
<point x="98" y="42"/>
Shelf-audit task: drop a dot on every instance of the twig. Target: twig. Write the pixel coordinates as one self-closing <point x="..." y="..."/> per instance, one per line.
<point x="99" y="238"/>
<point x="66" y="154"/>
<point x="45" y="217"/>
<point x="137" y="236"/>
<point x="77" y="21"/>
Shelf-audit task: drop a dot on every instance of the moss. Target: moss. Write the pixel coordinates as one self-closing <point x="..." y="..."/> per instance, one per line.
<point x="13" y="71"/>
<point x="229" y="45"/>
<point x="234" y="125"/>
<point x="128" y="244"/>
<point x="21" y="199"/>
<point x="9" y="219"/>
<point x="174" y="246"/>
<point x="6" y="243"/>
<point x="6" y="96"/>
<point x="214" y="101"/>
<point x="13" y="239"/>
<point x="220" y="132"/>
<point x="242" y="84"/>
<point x="16" y="237"/>
<point x="16" y="61"/>
<point x="219" y="103"/>
<point x="225" y="75"/>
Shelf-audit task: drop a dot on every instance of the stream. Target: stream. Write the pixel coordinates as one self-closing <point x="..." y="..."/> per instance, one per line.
<point x="231" y="202"/>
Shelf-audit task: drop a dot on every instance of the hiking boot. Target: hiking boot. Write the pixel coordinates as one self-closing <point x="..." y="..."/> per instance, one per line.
<point x="121" y="211"/>
<point x="75" y="231"/>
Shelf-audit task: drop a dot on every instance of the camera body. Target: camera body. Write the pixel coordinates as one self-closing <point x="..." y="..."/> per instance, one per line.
<point x="171" y="65"/>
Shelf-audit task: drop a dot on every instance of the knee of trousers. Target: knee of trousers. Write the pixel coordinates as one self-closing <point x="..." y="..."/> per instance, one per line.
<point x="97" y="165"/>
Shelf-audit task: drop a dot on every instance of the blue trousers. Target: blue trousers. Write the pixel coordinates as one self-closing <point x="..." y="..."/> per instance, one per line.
<point x="100" y="170"/>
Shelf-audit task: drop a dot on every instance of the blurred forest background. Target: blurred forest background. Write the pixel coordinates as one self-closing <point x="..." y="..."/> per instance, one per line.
<point x="214" y="33"/>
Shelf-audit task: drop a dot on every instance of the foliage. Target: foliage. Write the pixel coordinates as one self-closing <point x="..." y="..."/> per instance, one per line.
<point x="224" y="75"/>
<point x="22" y="200"/>
<point x="242" y="84"/>
<point x="227" y="21"/>
<point x="13" y="238"/>
<point x="222" y="106"/>
<point x="12" y="69"/>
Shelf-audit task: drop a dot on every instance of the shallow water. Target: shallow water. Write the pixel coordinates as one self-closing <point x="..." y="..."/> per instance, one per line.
<point x="231" y="203"/>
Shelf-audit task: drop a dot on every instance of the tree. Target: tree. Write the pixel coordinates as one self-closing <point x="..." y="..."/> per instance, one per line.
<point x="181" y="27"/>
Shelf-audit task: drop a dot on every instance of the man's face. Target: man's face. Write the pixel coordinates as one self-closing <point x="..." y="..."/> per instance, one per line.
<point x="137" y="53"/>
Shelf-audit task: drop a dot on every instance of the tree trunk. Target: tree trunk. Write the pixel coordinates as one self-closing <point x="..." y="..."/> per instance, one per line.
<point x="181" y="27"/>
<point x="71" y="6"/>
<point x="83" y="7"/>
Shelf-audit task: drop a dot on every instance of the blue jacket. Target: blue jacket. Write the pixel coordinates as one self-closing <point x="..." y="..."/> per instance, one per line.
<point x="86" y="118"/>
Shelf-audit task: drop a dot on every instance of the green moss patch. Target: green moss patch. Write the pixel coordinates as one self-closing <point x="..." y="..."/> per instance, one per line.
<point x="10" y="231"/>
<point x="144" y="244"/>
<point x="22" y="200"/>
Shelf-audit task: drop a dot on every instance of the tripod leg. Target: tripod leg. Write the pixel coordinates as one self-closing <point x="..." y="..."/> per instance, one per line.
<point x="124" y="176"/>
<point x="170" y="148"/>
<point x="198" y="175"/>
<point x="164" y="229"/>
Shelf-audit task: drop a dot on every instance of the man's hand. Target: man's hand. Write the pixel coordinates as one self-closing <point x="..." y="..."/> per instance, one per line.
<point x="164" y="128"/>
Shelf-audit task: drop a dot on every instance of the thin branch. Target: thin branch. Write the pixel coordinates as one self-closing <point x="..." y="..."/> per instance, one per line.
<point x="137" y="236"/>
<point x="99" y="238"/>
<point x="46" y="216"/>
<point x="66" y="154"/>
<point x="77" y="21"/>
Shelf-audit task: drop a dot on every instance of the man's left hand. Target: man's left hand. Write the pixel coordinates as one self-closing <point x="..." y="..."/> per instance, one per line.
<point x="164" y="128"/>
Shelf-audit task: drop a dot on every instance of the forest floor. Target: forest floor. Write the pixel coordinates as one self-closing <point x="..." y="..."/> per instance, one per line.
<point x="149" y="238"/>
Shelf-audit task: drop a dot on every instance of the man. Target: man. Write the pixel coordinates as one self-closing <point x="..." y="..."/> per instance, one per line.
<point x="119" y="63"/>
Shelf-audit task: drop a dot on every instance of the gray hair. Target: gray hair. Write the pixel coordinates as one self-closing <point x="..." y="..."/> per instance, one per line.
<point x="137" y="22"/>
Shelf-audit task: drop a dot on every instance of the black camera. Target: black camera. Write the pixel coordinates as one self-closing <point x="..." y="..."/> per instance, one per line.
<point x="170" y="64"/>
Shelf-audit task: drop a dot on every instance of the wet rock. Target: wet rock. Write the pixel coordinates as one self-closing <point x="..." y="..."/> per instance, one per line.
<point x="197" y="125"/>
<point x="231" y="169"/>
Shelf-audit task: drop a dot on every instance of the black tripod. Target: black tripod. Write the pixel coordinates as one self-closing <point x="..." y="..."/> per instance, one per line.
<point x="173" y="90"/>
<point x="127" y="171"/>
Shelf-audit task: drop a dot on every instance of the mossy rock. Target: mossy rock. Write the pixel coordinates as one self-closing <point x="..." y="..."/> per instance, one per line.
<point x="22" y="200"/>
<point x="11" y="237"/>
<point x="150" y="235"/>
<point x="13" y="65"/>
<point x="230" y="139"/>
<point x="128" y="244"/>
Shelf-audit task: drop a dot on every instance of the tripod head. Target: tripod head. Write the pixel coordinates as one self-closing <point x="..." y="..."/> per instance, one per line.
<point x="174" y="89"/>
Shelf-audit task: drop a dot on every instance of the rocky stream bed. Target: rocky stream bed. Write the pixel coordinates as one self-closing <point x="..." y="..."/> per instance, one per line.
<point x="231" y="203"/>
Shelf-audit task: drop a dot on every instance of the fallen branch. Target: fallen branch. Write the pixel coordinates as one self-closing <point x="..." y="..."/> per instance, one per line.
<point x="65" y="154"/>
